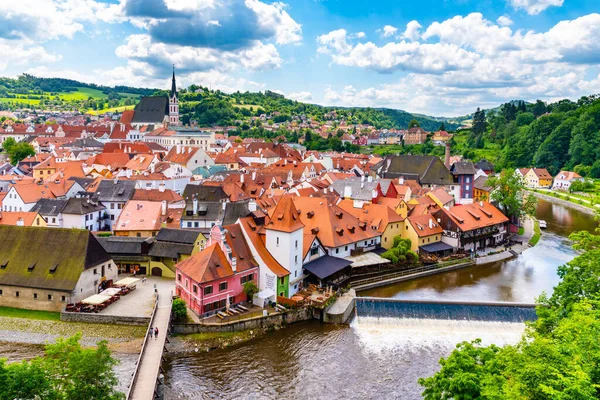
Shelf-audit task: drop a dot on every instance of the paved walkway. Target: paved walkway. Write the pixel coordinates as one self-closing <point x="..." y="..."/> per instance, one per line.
<point x="148" y="370"/>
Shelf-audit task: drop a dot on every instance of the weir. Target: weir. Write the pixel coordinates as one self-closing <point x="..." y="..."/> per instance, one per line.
<point x="446" y="310"/>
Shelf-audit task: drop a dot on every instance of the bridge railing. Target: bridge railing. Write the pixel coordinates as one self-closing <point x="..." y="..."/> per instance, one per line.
<point x="139" y="360"/>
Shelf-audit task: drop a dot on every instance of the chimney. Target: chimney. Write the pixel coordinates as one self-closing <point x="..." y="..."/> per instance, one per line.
<point x="195" y="202"/>
<point x="20" y="222"/>
<point x="161" y="187"/>
<point x="347" y="192"/>
<point x="138" y="206"/>
<point x="115" y="181"/>
<point x="224" y="205"/>
<point x="362" y="178"/>
<point x="430" y="223"/>
<point x="178" y="149"/>
<point x="163" y="209"/>
<point x="370" y="179"/>
<point x="401" y="180"/>
<point x="252" y="206"/>
<point x="151" y="168"/>
<point x="242" y="177"/>
<point x="447" y="156"/>
<point x="234" y="264"/>
<point x="253" y="175"/>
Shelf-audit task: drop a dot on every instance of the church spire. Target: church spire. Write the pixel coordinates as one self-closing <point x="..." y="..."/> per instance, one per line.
<point x="173" y="85"/>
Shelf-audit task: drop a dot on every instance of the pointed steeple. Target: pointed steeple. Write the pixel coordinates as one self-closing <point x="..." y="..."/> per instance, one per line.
<point x="173" y="85"/>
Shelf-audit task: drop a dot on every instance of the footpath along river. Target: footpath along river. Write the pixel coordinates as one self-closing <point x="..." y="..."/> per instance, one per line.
<point x="377" y="358"/>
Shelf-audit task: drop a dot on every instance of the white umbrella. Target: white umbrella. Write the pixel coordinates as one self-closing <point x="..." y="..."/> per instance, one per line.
<point x="227" y="303"/>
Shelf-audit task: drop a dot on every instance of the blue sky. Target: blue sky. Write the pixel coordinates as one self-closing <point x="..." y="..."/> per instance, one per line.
<point x="439" y="57"/>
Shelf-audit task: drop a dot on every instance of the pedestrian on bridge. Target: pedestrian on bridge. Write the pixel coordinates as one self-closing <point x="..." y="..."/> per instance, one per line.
<point x="150" y="332"/>
<point x="156" y="332"/>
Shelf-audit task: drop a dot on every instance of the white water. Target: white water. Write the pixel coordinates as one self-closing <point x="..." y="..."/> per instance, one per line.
<point x="378" y="335"/>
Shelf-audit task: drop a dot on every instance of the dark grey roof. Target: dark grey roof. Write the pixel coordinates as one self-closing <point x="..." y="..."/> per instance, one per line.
<point x="235" y="210"/>
<point x="184" y="236"/>
<point x="83" y="182"/>
<point x="425" y="169"/>
<point x="484" y="165"/>
<point x="204" y="193"/>
<point x="85" y="143"/>
<point x="151" y="110"/>
<point x="463" y="168"/>
<point x="81" y="206"/>
<point x="481" y="183"/>
<point x="124" y="245"/>
<point x="170" y="250"/>
<point x="326" y="266"/>
<point x="51" y="207"/>
<point x="435" y="247"/>
<point x="108" y="190"/>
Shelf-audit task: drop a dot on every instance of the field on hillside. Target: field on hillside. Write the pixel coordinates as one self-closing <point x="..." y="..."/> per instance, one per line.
<point x="82" y="93"/>
<point x="113" y="109"/>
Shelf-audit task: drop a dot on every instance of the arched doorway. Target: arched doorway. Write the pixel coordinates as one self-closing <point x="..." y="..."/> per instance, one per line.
<point x="156" y="271"/>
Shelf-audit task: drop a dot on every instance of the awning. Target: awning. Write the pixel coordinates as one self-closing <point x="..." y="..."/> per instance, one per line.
<point x="326" y="266"/>
<point x="435" y="247"/>
<point x="367" y="259"/>
<point x="96" y="299"/>
<point x="126" y="282"/>
<point x="265" y="294"/>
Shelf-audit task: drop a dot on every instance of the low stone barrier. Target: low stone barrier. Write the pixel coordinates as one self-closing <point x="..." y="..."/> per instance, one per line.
<point x="287" y="318"/>
<point x="94" y="318"/>
<point x="565" y="203"/>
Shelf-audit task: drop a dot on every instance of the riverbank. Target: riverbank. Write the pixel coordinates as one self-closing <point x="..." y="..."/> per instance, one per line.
<point x="563" y="202"/>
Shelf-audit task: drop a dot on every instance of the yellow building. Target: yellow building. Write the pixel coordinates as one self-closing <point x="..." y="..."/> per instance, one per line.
<point x="422" y="230"/>
<point x="536" y="178"/>
<point x="481" y="192"/>
<point x="22" y="218"/>
<point x="379" y="217"/>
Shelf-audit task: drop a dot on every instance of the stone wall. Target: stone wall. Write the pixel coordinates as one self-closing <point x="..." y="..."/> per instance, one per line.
<point x="103" y="319"/>
<point x="33" y="299"/>
<point x="287" y="318"/>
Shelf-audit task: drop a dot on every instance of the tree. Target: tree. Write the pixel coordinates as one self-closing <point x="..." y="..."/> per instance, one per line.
<point x="66" y="371"/>
<point x="179" y="309"/>
<point x="400" y="251"/>
<point x="20" y="151"/>
<point x="442" y="127"/>
<point x="509" y="192"/>
<point x="8" y="143"/>
<point x="250" y="289"/>
<point x="479" y="122"/>
<point x="414" y="124"/>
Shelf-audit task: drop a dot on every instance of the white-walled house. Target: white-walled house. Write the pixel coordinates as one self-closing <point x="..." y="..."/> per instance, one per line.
<point x="564" y="179"/>
<point x="113" y="194"/>
<point x="23" y="197"/>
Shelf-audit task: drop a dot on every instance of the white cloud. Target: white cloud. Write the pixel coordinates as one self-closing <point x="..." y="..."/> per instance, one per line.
<point x="466" y="62"/>
<point x="189" y="5"/>
<point x="413" y="31"/>
<point x="274" y="15"/>
<point x="504" y="20"/>
<point x="300" y="96"/>
<point x="534" y="7"/>
<point x="12" y="53"/>
<point x="388" y="31"/>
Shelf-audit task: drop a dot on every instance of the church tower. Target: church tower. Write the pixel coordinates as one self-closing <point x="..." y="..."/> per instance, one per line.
<point x="173" y="103"/>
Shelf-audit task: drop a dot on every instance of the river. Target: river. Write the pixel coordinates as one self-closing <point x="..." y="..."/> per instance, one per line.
<point x="377" y="358"/>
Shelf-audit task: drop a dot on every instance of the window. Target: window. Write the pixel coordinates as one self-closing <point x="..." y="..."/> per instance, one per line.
<point x="16" y="294"/>
<point x="174" y="259"/>
<point x="112" y="206"/>
<point x="49" y="297"/>
<point x="277" y="240"/>
<point x="222" y="286"/>
<point x="95" y="271"/>
<point x="282" y="280"/>
<point x="53" y="220"/>
<point x="314" y="251"/>
<point x="179" y="277"/>
<point x="385" y="239"/>
<point x="467" y="188"/>
<point x="189" y="224"/>
<point x="208" y="290"/>
<point x="296" y="259"/>
<point x="63" y="298"/>
<point x="468" y="179"/>
<point x="120" y="206"/>
<point x="112" y="217"/>
<point x="0" y="292"/>
<point x="295" y="274"/>
<point x="296" y="244"/>
<point x="195" y="289"/>
<point x="337" y="251"/>
<point x="428" y="240"/>
<point x="346" y="248"/>
<point x="138" y="234"/>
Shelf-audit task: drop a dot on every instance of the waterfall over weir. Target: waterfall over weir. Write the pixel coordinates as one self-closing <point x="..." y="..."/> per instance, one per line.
<point x="455" y="311"/>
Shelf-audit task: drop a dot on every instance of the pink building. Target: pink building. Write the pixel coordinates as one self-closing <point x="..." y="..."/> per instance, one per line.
<point x="210" y="278"/>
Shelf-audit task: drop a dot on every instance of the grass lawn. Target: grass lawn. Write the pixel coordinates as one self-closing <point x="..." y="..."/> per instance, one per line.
<point x="254" y="106"/>
<point x="537" y="233"/>
<point x="29" y="314"/>
<point x="113" y="109"/>
<point x="82" y="93"/>
<point x="19" y="100"/>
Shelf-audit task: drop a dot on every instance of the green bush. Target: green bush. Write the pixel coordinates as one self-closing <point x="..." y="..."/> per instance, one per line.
<point x="250" y="289"/>
<point x="400" y="252"/>
<point x="179" y="309"/>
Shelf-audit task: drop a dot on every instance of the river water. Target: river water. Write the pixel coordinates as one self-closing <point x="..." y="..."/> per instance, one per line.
<point x="378" y="358"/>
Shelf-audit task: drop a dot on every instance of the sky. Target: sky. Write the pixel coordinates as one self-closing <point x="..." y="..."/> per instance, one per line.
<point x="436" y="57"/>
